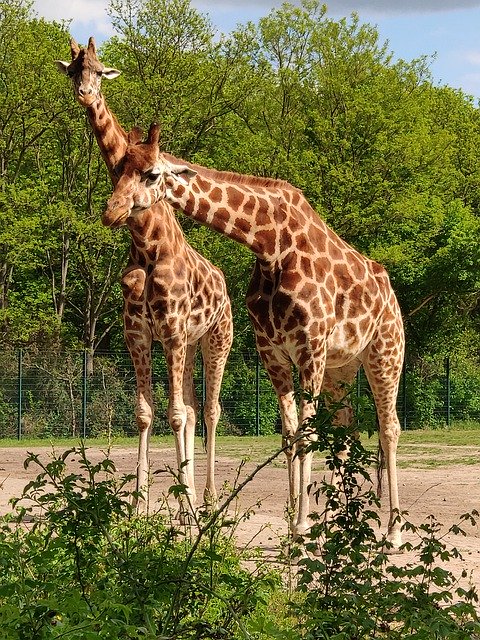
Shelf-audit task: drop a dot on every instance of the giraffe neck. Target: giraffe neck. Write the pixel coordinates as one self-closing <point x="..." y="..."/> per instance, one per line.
<point x="251" y="211"/>
<point x="157" y="234"/>
<point x="111" y="137"/>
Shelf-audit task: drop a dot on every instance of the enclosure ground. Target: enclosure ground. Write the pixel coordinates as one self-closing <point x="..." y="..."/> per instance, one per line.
<point x="445" y="491"/>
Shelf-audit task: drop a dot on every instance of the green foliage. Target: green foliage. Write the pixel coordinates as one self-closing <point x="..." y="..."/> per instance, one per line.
<point x="387" y="157"/>
<point x="77" y="561"/>
<point x="352" y="588"/>
<point x="248" y="397"/>
<point x="88" y="567"/>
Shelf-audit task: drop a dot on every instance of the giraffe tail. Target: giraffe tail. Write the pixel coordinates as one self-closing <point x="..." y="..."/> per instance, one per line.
<point x="204" y="436"/>
<point x="380" y="469"/>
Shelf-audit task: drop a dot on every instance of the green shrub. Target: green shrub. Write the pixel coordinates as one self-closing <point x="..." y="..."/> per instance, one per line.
<point x="89" y="567"/>
<point x="352" y="589"/>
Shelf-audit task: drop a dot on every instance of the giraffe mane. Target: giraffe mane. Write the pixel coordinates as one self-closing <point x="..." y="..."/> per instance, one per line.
<point x="237" y="178"/>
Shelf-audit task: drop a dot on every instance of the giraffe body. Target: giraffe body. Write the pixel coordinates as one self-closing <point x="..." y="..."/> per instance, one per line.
<point x="315" y="302"/>
<point x="171" y="294"/>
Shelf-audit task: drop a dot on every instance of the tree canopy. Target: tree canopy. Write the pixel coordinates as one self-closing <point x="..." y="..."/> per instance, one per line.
<point x="385" y="155"/>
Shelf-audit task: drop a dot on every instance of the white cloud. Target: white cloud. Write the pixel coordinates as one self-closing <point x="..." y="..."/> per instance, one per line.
<point x="81" y="11"/>
<point x="472" y="57"/>
<point x="87" y="16"/>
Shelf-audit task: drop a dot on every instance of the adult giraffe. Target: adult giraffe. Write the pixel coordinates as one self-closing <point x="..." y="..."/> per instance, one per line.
<point x="315" y="302"/>
<point x="171" y="294"/>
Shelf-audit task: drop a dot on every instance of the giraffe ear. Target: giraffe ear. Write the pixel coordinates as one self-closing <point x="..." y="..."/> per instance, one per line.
<point x="109" y="73"/>
<point x="181" y="172"/>
<point x="135" y="135"/>
<point x="74" y="48"/>
<point x="62" y="66"/>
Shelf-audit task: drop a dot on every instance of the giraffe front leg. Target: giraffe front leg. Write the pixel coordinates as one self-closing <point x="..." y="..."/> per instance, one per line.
<point x="335" y="384"/>
<point x="280" y="374"/>
<point x="138" y="338"/>
<point x="175" y="353"/>
<point x="289" y="418"/>
<point x="311" y="377"/>
<point x="191" y="408"/>
<point x="141" y="356"/>
<point x="306" y="436"/>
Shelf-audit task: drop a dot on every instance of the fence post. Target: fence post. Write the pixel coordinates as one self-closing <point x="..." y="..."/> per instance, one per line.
<point x="257" y="394"/>
<point x="404" y="394"/>
<point x="20" y="394"/>
<point x="84" y="395"/>
<point x="447" y="380"/>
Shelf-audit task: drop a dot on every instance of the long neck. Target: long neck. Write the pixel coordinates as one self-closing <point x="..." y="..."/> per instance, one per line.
<point x="111" y="137"/>
<point x="248" y="212"/>
<point x="157" y="236"/>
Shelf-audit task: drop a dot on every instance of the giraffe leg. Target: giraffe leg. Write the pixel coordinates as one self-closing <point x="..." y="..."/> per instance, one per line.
<point x="307" y="409"/>
<point x="334" y="382"/>
<point x="191" y="408"/>
<point x="280" y="374"/>
<point x="289" y="417"/>
<point x="175" y="352"/>
<point x="383" y="367"/>
<point x="215" y="349"/>
<point x="141" y="356"/>
<point x="314" y="377"/>
<point x="311" y="376"/>
<point x="138" y="338"/>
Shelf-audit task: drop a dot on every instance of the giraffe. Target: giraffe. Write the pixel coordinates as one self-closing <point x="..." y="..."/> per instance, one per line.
<point x="315" y="302"/>
<point x="171" y="294"/>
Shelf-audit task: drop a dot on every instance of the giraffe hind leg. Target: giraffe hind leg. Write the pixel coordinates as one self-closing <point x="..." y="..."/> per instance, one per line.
<point x="383" y="375"/>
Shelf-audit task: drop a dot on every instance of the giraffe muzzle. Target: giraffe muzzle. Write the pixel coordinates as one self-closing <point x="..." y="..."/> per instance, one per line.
<point x="86" y="99"/>
<point x="115" y="215"/>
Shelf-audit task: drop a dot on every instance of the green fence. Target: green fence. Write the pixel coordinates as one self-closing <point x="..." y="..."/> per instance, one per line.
<point x="49" y="395"/>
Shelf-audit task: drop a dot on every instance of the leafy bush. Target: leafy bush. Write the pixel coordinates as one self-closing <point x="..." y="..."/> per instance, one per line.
<point x="89" y="567"/>
<point x="352" y="588"/>
<point x="78" y="562"/>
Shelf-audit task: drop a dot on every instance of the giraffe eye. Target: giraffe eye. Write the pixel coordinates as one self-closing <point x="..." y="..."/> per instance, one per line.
<point x="151" y="177"/>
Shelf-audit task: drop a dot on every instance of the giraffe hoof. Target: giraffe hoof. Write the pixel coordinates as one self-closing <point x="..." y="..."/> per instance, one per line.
<point x="299" y="531"/>
<point x="185" y="516"/>
<point x="392" y="550"/>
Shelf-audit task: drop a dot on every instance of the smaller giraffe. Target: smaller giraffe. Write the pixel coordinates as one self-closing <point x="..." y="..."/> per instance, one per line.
<point x="171" y="294"/>
<point x="315" y="302"/>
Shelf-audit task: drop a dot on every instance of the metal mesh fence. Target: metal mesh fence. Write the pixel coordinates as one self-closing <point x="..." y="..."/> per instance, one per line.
<point x="51" y="395"/>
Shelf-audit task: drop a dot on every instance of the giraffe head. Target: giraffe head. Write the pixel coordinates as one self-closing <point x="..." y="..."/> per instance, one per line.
<point x="146" y="177"/>
<point x="86" y="72"/>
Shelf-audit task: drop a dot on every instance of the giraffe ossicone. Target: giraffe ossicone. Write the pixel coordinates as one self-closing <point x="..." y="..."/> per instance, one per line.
<point x="171" y="294"/>
<point x="314" y="301"/>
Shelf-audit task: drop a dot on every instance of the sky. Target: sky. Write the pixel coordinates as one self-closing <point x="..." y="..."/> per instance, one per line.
<point x="446" y="30"/>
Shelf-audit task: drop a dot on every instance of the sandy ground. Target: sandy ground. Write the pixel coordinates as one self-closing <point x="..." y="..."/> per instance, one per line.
<point x="446" y="492"/>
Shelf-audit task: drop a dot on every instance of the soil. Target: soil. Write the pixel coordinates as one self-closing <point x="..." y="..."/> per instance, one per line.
<point x="445" y="492"/>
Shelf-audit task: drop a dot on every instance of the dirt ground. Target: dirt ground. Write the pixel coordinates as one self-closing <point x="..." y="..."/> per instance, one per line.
<point x="445" y="492"/>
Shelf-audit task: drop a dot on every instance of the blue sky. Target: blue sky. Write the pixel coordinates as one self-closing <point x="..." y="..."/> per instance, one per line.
<point x="446" y="29"/>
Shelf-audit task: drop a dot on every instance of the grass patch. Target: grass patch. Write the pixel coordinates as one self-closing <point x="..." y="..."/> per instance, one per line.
<point x="423" y="448"/>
